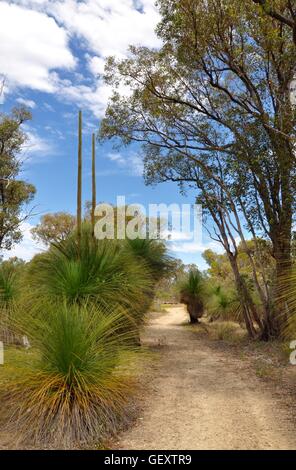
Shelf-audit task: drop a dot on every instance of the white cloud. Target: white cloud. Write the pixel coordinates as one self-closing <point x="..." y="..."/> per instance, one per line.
<point x="36" y="146"/>
<point x="31" y="46"/>
<point x="93" y="98"/>
<point x="48" y="107"/>
<point x="175" y="235"/>
<point x="116" y="157"/>
<point x="132" y="162"/>
<point x="96" y="64"/>
<point x="136" y="164"/>
<point x="35" y="39"/>
<point x="194" y="247"/>
<point x="27" y="248"/>
<point x="108" y="26"/>
<point x="28" y="103"/>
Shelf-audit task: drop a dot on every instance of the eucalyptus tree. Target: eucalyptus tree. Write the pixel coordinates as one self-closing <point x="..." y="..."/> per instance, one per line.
<point x="219" y="83"/>
<point x="283" y="11"/>
<point x="214" y="192"/>
<point x="54" y="227"/>
<point x="15" y="193"/>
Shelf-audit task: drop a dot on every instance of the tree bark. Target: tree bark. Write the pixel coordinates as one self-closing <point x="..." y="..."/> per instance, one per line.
<point x="94" y="192"/>
<point x="79" y="183"/>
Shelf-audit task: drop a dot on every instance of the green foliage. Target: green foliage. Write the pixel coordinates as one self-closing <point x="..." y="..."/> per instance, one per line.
<point x="223" y="301"/>
<point x="227" y="331"/>
<point x="153" y="253"/>
<point x="210" y="118"/>
<point x="8" y="285"/>
<point x="194" y="284"/>
<point x="14" y="193"/>
<point x="10" y="291"/>
<point x="54" y="227"/>
<point x="280" y="10"/>
<point x="81" y="307"/>
<point x="192" y="292"/>
<point x="100" y="272"/>
<point x="223" y="304"/>
<point x="76" y="388"/>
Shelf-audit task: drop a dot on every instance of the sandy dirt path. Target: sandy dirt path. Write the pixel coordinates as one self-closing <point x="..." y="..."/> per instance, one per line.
<point x="199" y="397"/>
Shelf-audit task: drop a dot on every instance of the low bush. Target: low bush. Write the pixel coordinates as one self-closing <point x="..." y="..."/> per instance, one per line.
<point x="75" y="388"/>
<point x="192" y="291"/>
<point x="101" y="272"/>
<point x="226" y="331"/>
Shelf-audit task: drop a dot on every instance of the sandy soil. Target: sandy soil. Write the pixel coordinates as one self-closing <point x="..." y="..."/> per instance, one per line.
<point x="200" y="398"/>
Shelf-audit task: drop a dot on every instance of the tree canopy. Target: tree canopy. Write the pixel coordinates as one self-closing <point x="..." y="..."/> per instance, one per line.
<point x="54" y="227"/>
<point x="14" y="192"/>
<point x="212" y="108"/>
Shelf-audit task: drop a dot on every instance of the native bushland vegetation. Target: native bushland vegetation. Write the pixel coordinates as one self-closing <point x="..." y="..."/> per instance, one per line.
<point x="212" y="109"/>
<point x="192" y="293"/>
<point x="10" y="289"/>
<point x="78" y="307"/>
<point x="282" y="11"/>
<point x="15" y="193"/>
<point x="81" y="305"/>
<point x="54" y="227"/>
<point x="74" y="388"/>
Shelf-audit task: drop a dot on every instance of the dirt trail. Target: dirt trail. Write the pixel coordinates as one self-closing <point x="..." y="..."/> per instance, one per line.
<point x="199" y="397"/>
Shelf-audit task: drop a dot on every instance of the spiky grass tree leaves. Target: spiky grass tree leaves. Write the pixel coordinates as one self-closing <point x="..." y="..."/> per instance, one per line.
<point x="9" y="295"/>
<point x="100" y="272"/>
<point x="153" y="253"/>
<point x="76" y="389"/>
<point x="192" y="293"/>
<point x="223" y="304"/>
<point x="286" y="298"/>
<point x="8" y="285"/>
<point x="154" y="256"/>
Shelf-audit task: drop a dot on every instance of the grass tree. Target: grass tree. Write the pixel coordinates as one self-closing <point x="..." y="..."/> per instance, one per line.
<point x="9" y="294"/>
<point x="203" y="101"/>
<point x="223" y="304"/>
<point x="192" y="292"/>
<point x="153" y="253"/>
<point x="101" y="273"/>
<point x="74" y="388"/>
<point x="94" y="190"/>
<point x="79" y="180"/>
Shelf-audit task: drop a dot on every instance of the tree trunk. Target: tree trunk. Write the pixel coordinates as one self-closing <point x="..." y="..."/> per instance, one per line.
<point x="246" y="301"/>
<point x="79" y="183"/>
<point x="94" y="195"/>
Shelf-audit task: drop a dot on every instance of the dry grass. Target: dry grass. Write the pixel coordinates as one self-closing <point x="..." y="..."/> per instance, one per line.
<point x="227" y="331"/>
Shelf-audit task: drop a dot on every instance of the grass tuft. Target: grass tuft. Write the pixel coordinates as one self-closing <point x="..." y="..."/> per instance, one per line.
<point x="77" y="387"/>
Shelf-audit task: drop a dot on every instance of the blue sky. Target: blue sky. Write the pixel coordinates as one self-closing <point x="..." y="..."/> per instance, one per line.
<point x="51" y="56"/>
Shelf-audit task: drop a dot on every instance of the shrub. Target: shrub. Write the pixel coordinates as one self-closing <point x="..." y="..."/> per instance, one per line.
<point x="102" y="273"/>
<point x="9" y="294"/>
<point x="285" y="300"/>
<point x="192" y="292"/>
<point x="77" y="388"/>
<point x="226" y="331"/>
<point x="223" y="304"/>
<point x="153" y="253"/>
